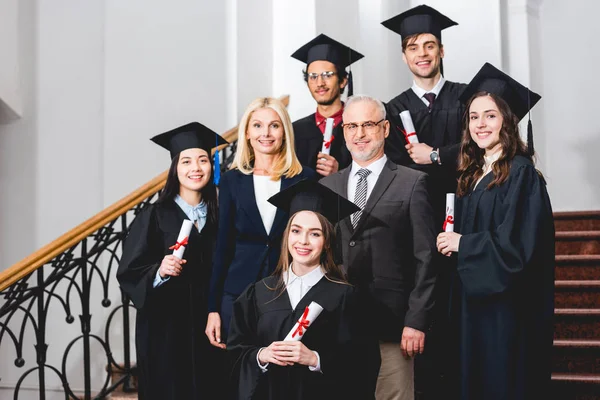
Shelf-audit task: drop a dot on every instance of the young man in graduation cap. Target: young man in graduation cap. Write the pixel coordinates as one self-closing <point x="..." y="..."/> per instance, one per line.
<point x="326" y="77"/>
<point x="436" y="112"/>
<point x="432" y="102"/>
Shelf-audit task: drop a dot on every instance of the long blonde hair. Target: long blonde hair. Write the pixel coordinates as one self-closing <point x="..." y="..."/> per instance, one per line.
<point x="287" y="163"/>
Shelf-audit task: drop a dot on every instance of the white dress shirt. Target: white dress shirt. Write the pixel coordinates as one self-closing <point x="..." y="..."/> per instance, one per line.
<point x="296" y="288"/>
<point x="264" y="188"/>
<point x="375" y="167"/>
<point x="419" y="91"/>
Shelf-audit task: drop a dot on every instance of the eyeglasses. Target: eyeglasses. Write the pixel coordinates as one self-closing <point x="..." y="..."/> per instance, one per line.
<point x="369" y="126"/>
<point x="325" y="75"/>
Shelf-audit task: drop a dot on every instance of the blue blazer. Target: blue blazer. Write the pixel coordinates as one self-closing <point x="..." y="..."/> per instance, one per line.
<point x="244" y="252"/>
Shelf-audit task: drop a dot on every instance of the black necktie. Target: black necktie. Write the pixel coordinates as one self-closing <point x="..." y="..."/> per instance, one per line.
<point x="430" y="97"/>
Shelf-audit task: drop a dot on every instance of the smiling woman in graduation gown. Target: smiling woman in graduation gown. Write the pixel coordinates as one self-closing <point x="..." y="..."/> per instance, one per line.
<point x="502" y="300"/>
<point x="171" y="309"/>
<point x="265" y="313"/>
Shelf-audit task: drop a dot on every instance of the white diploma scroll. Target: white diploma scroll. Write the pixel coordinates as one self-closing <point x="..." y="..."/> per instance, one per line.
<point x="182" y="239"/>
<point x="311" y="312"/>
<point x="326" y="148"/>
<point x="449" y="221"/>
<point x="409" y="128"/>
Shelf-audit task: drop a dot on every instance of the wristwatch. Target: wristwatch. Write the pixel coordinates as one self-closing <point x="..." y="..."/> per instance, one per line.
<point x="434" y="156"/>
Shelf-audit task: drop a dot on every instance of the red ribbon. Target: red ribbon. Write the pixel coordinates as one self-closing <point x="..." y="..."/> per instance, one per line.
<point x="449" y="220"/>
<point x="177" y="245"/>
<point x="407" y="135"/>
<point x="302" y="323"/>
<point x="328" y="143"/>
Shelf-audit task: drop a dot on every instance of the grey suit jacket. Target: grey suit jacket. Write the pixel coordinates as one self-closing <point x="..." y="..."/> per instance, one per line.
<point x="389" y="257"/>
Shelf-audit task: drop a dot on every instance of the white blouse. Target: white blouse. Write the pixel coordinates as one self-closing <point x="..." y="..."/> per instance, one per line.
<point x="487" y="166"/>
<point x="264" y="188"/>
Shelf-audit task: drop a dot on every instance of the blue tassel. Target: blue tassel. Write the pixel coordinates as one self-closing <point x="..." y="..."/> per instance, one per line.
<point x="217" y="173"/>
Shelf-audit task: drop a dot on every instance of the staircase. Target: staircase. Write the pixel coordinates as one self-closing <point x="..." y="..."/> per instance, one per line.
<point x="576" y="353"/>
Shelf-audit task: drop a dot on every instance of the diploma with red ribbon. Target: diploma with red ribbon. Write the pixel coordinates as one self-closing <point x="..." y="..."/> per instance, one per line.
<point x="311" y="312"/>
<point x="182" y="240"/>
<point x="327" y="136"/>
<point x="449" y="221"/>
<point x="409" y="128"/>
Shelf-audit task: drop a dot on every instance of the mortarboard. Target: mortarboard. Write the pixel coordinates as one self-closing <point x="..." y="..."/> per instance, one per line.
<point x="309" y="195"/>
<point x="326" y="49"/>
<point x="189" y="136"/>
<point x="420" y="19"/>
<point x="519" y="98"/>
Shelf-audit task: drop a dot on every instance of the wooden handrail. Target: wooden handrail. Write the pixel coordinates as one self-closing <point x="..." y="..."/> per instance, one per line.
<point x="44" y="255"/>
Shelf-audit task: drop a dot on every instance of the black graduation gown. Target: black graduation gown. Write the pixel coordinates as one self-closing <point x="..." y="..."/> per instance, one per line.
<point x="260" y="317"/>
<point x="309" y="141"/>
<point x="441" y="128"/>
<point x="172" y="349"/>
<point x="503" y="292"/>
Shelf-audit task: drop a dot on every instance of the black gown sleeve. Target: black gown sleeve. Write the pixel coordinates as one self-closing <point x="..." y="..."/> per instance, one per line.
<point x="489" y="262"/>
<point x="141" y="258"/>
<point x="449" y="156"/>
<point x="225" y="243"/>
<point x="242" y="345"/>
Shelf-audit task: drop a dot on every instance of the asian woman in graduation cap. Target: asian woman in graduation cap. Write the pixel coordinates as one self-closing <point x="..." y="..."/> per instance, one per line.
<point x="170" y="293"/>
<point x="250" y="228"/>
<point x="502" y="295"/>
<point x="332" y="358"/>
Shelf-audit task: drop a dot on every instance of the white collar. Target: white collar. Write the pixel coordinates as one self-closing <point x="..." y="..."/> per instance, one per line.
<point x="375" y="167"/>
<point x="489" y="160"/>
<point x="419" y="91"/>
<point x="309" y="279"/>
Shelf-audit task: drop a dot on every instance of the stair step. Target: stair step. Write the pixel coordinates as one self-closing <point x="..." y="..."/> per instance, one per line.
<point x="578" y="242"/>
<point x="577" y="294"/>
<point x="578" y="220"/>
<point x="578" y="267"/>
<point x="123" y="396"/>
<point x="581" y="356"/>
<point x="576" y="323"/>
<point x="575" y="386"/>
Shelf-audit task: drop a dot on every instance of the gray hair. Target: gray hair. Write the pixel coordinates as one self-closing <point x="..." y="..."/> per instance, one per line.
<point x="359" y="98"/>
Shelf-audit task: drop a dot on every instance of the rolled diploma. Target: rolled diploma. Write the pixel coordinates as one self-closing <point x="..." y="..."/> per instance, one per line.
<point x="314" y="310"/>
<point x="327" y="135"/>
<point x="449" y="221"/>
<point x="409" y="127"/>
<point x="184" y="232"/>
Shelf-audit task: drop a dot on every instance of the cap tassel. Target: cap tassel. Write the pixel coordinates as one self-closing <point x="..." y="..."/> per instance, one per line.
<point x="530" y="138"/>
<point x="530" y="148"/>
<point x="217" y="173"/>
<point x="350" y="84"/>
<point x="442" y="67"/>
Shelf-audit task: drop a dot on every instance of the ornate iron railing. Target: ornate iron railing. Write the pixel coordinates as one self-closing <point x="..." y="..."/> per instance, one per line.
<point x="68" y="281"/>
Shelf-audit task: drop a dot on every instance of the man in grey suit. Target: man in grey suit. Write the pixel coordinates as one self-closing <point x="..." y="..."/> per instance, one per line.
<point x="388" y="246"/>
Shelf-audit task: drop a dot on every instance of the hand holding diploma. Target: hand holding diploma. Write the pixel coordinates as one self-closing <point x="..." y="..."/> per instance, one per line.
<point x="172" y="265"/>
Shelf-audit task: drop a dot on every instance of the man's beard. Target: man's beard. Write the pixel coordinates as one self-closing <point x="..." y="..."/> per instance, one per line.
<point x="330" y="101"/>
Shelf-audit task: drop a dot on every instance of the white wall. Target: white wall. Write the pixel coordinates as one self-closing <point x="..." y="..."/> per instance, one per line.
<point x="94" y="80"/>
<point x="569" y="32"/>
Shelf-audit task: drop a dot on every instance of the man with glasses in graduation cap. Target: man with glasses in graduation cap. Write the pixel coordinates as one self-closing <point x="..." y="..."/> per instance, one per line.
<point x="436" y="112"/>
<point x="326" y="77"/>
